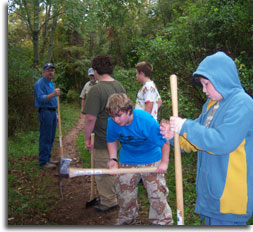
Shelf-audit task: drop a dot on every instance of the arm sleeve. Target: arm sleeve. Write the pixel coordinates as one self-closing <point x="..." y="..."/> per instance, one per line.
<point x="82" y="93"/>
<point x="223" y="138"/>
<point x="111" y="131"/>
<point x="84" y="90"/>
<point x="153" y="133"/>
<point x="40" y="95"/>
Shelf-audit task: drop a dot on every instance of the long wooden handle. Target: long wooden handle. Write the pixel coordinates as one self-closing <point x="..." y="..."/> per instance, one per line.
<point x="73" y="172"/>
<point x="178" y="165"/>
<point x="59" y="123"/>
<point x="92" y="187"/>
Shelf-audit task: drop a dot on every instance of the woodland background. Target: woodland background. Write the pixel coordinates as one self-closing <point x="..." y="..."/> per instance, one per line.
<point x="173" y="35"/>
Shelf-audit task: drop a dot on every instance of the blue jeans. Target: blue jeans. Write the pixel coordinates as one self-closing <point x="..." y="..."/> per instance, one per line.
<point x="48" y="123"/>
<point x="215" y="222"/>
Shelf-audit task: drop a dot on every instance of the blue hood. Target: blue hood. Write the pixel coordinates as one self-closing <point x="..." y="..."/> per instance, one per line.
<point x="221" y="70"/>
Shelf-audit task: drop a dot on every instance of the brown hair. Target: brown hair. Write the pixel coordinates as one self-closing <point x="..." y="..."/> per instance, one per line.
<point x="145" y="67"/>
<point x="103" y="64"/>
<point x="119" y="102"/>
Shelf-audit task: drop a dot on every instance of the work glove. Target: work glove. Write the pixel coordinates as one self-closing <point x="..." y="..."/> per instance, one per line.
<point x="176" y="124"/>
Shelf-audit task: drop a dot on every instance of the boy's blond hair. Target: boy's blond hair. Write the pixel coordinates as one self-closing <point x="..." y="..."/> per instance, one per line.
<point x="119" y="102"/>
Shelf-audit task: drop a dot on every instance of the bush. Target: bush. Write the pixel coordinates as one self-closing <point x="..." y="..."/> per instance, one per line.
<point x="21" y="78"/>
<point x="72" y="96"/>
<point x="128" y="79"/>
<point x="245" y="75"/>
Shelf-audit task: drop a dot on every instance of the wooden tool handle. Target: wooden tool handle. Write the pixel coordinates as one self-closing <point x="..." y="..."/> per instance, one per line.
<point x="73" y="172"/>
<point x="92" y="187"/>
<point x="178" y="165"/>
<point x="59" y="124"/>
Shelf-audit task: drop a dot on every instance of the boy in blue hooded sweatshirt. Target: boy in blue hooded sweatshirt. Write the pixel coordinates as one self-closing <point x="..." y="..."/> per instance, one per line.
<point x="223" y="137"/>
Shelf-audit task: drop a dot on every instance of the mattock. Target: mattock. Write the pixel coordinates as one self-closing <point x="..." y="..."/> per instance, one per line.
<point x="69" y="172"/>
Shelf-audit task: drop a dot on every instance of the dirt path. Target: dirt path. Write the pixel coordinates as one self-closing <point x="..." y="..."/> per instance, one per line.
<point x="71" y="210"/>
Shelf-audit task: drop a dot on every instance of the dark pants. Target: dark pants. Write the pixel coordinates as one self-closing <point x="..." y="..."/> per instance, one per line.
<point x="216" y="222"/>
<point x="48" y="123"/>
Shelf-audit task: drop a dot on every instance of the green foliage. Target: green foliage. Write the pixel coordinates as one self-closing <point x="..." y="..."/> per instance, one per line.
<point x="250" y="222"/>
<point x="128" y="79"/>
<point x="172" y="35"/>
<point x="203" y="28"/>
<point x="245" y="75"/>
<point x="72" y="71"/>
<point x="21" y="112"/>
<point x="72" y="96"/>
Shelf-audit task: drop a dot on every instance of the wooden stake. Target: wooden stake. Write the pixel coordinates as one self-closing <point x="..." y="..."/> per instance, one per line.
<point x="178" y="165"/>
<point x="59" y="124"/>
<point x="92" y="191"/>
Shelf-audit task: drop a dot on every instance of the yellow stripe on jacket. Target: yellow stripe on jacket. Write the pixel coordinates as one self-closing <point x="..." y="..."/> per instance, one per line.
<point x="234" y="199"/>
<point x="186" y="145"/>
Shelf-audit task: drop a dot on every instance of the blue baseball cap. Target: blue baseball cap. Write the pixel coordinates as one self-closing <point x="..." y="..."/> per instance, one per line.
<point x="48" y="65"/>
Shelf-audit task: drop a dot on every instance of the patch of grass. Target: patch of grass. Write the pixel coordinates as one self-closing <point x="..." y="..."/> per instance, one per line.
<point x="29" y="196"/>
<point x="84" y="154"/>
<point x="250" y="222"/>
<point x="69" y="115"/>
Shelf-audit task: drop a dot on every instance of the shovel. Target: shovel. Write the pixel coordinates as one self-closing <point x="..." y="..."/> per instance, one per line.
<point x="93" y="200"/>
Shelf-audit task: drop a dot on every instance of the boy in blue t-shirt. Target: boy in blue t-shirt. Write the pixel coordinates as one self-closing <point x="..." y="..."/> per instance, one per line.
<point x="142" y="145"/>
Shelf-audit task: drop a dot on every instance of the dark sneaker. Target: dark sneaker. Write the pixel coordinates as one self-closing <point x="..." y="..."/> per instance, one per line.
<point x="104" y="208"/>
<point x="48" y="165"/>
<point x="54" y="162"/>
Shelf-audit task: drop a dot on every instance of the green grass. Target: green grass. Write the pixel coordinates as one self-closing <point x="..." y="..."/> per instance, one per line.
<point x="28" y="197"/>
<point x="84" y="154"/>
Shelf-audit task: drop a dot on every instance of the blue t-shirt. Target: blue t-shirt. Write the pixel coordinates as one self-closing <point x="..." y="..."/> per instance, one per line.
<point x="141" y="140"/>
<point x="42" y="88"/>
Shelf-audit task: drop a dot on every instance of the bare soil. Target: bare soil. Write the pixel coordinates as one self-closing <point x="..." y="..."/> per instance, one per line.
<point x="71" y="209"/>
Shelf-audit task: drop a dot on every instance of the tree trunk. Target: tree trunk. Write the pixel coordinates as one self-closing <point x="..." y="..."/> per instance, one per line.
<point x="35" y="49"/>
<point x="35" y="33"/>
<point x="52" y="35"/>
<point x="45" y="30"/>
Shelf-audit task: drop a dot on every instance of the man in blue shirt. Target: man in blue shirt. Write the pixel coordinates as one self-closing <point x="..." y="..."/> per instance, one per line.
<point x="46" y="102"/>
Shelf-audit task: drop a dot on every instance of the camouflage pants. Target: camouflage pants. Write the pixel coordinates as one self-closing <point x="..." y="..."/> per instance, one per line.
<point x="126" y="187"/>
